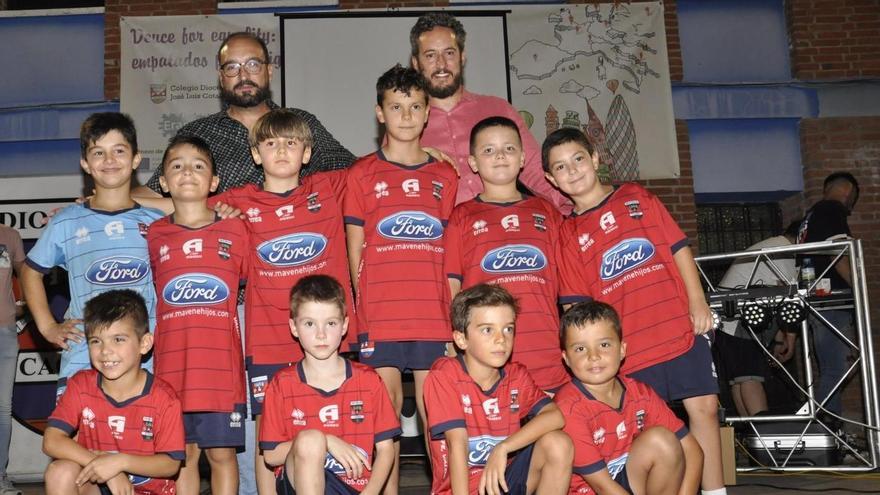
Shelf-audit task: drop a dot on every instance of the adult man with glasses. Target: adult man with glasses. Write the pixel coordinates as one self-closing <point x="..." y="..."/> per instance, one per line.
<point x="245" y="72"/>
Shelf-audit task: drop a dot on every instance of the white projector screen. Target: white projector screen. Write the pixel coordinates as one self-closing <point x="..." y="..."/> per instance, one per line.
<point x="331" y="61"/>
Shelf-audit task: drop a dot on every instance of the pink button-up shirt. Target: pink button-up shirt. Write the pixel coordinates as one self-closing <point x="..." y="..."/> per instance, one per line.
<point x="450" y="132"/>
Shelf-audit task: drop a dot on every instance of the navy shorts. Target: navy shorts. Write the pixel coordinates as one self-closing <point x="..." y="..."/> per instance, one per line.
<point x="690" y="375"/>
<point x="623" y="481"/>
<point x="410" y="355"/>
<point x="517" y="473"/>
<point x="332" y="485"/>
<point x="259" y="376"/>
<point x="211" y="430"/>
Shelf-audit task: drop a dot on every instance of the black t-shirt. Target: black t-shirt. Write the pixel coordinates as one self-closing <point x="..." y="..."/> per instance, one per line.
<point x="825" y="219"/>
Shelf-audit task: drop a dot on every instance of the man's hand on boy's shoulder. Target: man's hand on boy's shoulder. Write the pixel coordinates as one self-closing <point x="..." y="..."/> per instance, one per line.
<point x="442" y="157"/>
<point x="492" y="480"/>
<point x="59" y="333"/>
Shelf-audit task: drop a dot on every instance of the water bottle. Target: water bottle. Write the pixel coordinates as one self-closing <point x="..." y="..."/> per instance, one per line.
<point x="808" y="274"/>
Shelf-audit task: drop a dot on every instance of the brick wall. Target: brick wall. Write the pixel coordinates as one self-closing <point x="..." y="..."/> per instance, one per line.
<point x="114" y="9"/>
<point x="834" y="39"/>
<point x="850" y="144"/>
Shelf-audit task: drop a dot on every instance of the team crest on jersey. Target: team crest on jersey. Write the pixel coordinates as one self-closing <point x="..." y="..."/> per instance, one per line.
<point x="510" y="223"/>
<point x="312" y="202"/>
<point x="116" y="425"/>
<point x="607" y="222"/>
<point x="329" y="416"/>
<point x="117" y="270"/>
<point x="410" y="188"/>
<point x="410" y="226"/>
<point x="298" y="417"/>
<point x="114" y="229"/>
<point x="223" y="247"/>
<point x="620" y="430"/>
<point x="235" y="419"/>
<point x="332" y="465"/>
<point x="82" y="235"/>
<point x="194" y="289"/>
<point x="480" y="227"/>
<point x="147" y="429"/>
<point x="599" y="436"/>
<point x="192" y="248"/>
<point x="640" y="419"/>
<point x="437" y="189"/>
<point x="585" y="241"/>
<point x="292" y="249"/>
<point x="625" y="256"/>
<point x="514" y="400"/>
<point x="284" y="212"/>
<point x="540" y="222"/>
<point x="88" y="417"/>
<point x="381" y="189"/>
<point x="258" y="387"/>
<point x="634" y="208"/>
<point x="480" y="447"/>
<point x="143" y="229"/>
<point x="367" y="348"/>
<point x="253" y="215"/>
<point x="163" y="253"/>
<point x="466" y="404"/>
<point x="514" y="258"/>
<point x="357" y="410"/>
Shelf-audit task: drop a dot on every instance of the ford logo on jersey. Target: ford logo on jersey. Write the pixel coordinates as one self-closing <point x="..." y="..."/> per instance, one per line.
<point x="117" y="270"/>
<point x="514" y="258"/>
<point x="411" y="226"/>
<point x="332" y="465"/>
<point x="480" y="447"/>
<point x="292" y="249"/>
<point x="137" y="480"/>
<point x="194" y="289"/>
<point x="625" y="256"/>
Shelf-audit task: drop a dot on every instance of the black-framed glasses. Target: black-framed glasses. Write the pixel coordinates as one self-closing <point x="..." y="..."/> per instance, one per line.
<point x="252" y="66"/>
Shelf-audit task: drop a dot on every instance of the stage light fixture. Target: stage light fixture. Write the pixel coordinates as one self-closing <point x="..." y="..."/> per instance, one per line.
<point x="756" y="317"/>
<point x="791" y="313"/>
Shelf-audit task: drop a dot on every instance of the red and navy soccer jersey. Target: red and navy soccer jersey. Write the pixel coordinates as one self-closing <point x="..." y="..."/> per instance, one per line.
<point x="402" y="292"/>
<point x="621" y="253"/>
<point x="602" y="435"/>
<point x="291" y="236"/>
<point x="147" y="424"/>
<point x="454" y="400"/>
<point x="359" y="412"/>
<point x="514" y="245"/>
<point x="198" y="342"/>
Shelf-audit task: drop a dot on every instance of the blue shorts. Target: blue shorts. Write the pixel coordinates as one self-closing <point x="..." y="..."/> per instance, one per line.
<point x="517" y="473"/>
<point x="623" y="481"/>
<point x="410" y="355"/>
<point x="259" y="376"/>
<point x="690" y="375"/>
<point x="211" y="430"/>
<point x="332" y="485"/>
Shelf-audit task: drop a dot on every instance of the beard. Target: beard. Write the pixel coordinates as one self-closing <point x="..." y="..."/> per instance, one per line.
<point x="442" y="92"/>
<point x="229" y="98"/>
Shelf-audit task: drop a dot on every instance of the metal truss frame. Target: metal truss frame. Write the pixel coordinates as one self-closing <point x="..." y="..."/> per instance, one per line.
<point x="862" y="348"/>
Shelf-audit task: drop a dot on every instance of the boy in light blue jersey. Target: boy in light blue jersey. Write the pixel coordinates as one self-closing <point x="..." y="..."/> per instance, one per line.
<point x="100" y="242"/>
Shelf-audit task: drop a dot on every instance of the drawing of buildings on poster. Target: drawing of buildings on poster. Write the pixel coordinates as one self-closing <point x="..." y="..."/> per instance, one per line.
<point x="602" y="69"/>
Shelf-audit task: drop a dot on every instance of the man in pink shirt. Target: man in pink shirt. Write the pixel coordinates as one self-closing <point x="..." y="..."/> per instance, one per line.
<point x="437" y="41"/>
